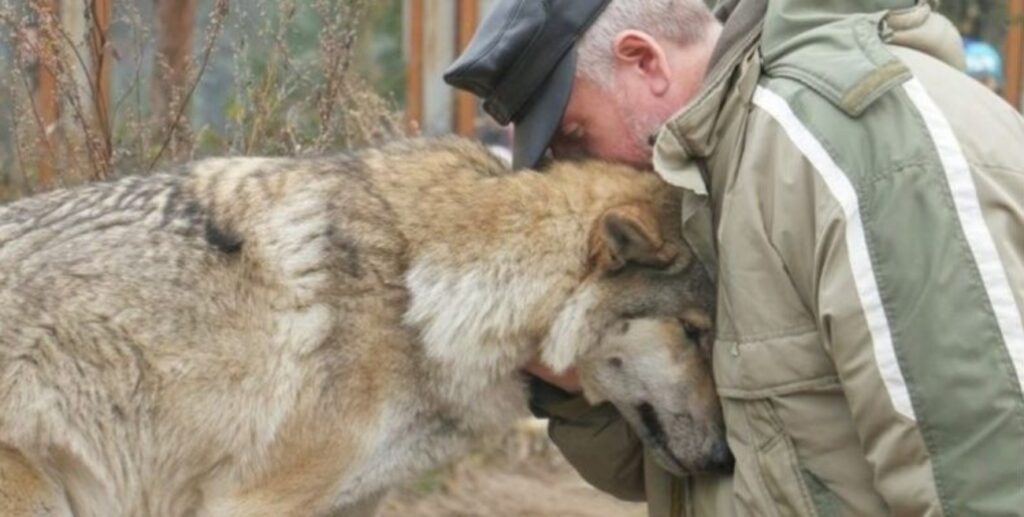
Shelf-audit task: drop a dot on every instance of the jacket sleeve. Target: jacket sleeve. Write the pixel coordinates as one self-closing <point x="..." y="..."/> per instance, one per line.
<point x="878" y="400"/>
<point x="924" y="366"/>
<point x="904" y="241"/>
<point x="913" y="327"/>
<point x="596" y="440"/>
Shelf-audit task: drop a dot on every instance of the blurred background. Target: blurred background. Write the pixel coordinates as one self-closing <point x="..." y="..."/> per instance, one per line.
<point x="91" y="89"/>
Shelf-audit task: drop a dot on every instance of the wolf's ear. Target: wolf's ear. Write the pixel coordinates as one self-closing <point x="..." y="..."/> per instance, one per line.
<point x="629" y="234"/>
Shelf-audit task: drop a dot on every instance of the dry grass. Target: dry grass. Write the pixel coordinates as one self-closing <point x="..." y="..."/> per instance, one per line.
<point x="290" y="93"/>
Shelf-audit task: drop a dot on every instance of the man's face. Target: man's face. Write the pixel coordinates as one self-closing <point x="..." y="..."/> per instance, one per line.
<point x="652" y="80"/>
<point x="611" y="124"/>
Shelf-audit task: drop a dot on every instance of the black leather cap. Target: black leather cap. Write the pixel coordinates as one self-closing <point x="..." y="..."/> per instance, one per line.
<point x="521" y="62"/>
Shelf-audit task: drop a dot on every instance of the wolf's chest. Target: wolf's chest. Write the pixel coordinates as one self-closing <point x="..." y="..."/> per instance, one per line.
<point x="405" y="444"/>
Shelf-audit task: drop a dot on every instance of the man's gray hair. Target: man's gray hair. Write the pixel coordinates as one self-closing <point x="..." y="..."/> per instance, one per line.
<point x="680" y="21"/>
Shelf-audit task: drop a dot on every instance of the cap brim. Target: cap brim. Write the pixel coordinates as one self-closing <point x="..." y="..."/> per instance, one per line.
<point x="540" y="119"/>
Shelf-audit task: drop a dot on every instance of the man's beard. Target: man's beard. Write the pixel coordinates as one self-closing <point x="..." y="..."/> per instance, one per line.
<point x="641" y="127"/>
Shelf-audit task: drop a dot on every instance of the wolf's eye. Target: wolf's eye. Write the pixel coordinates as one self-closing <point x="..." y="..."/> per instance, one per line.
<point x="693" y="333"/>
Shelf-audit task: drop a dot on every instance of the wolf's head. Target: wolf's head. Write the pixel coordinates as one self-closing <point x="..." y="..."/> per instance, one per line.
<point x="639" y="330"/>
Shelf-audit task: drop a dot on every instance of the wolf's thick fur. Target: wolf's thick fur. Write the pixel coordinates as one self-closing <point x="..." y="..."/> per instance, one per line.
<point x="292" y="336"/>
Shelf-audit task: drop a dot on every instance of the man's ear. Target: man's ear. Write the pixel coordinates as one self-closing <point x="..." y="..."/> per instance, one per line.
<point x="629" y="234"/>
<point x="643" y="54"/>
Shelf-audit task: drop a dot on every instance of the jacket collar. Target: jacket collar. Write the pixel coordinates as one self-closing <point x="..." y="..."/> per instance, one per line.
<point x="837" y="49"/>
<point x="694" y="132"/>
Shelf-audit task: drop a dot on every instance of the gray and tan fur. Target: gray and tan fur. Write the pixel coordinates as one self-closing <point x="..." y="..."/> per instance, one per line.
<point x="293" y="336"/>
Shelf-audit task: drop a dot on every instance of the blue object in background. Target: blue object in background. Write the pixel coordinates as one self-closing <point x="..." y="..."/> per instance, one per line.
<point x="983" y="61"/>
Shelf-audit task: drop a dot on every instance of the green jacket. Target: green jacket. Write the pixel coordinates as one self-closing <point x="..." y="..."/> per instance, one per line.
<point x="867" y="207"/>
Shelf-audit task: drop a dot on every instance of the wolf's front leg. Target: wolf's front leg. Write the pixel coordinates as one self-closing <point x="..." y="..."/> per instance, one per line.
<point x="365" y="507"/>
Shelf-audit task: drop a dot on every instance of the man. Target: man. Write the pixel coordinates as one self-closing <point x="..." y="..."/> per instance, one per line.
<point x="862" y="203"/>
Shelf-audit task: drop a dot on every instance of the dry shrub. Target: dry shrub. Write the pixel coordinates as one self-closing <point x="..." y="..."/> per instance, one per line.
<point x="281" y="69"/>
<point x="296" y="101"/>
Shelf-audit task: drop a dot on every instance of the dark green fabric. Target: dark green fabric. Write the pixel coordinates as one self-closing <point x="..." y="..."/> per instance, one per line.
<point x="825" y="503"/>
<point x="596" y="440"/>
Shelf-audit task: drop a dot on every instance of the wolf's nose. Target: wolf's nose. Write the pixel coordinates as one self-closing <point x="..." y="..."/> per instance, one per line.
<point x="721" y="458"/>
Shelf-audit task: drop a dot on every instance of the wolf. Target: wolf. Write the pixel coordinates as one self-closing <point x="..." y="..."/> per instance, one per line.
<point x="292" y="336"/>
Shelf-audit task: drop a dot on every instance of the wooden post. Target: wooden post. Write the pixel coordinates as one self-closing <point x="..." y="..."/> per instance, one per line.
<point x="414" y="64"/>
<point x="172" y="69"/>
<point x="438" y="52"/>
<point x="46" y="94"/>
<point x="465" y="102"/>
<point x="100" y="15"/>
<point x="1013" y="53"/>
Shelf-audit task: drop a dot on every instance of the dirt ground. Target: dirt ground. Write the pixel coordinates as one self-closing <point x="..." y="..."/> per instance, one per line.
<point x="519" y="475"/>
